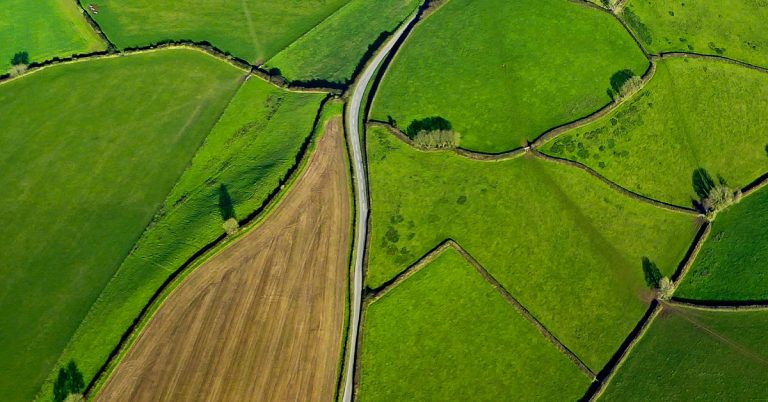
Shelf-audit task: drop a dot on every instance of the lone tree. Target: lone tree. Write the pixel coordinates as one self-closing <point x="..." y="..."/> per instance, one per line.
<point x="713" y="196"/>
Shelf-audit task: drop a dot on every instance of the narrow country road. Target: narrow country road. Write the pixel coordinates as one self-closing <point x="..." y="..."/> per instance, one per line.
<point x="361" y="182"/>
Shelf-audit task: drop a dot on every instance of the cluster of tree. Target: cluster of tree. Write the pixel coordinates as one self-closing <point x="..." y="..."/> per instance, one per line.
<point x="69" y="384"/>
<point x="612" y="4"/>
<point x="624" y="84"/>
<point x="19" y="63"/>
<point x="434" y="123"/>
<point x="713" y="197"/>
<point x="438" y="139"/>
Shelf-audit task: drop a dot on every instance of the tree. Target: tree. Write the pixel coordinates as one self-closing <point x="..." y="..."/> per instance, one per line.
<point x="20" y="58"/>
<point x="69" y="381"/>
<point x="666" y="288"/>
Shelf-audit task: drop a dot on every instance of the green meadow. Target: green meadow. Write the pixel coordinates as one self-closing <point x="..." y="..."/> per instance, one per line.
<point x="566" y="245"/>
<point x="242" y="161"/>
<point x="733" y="28"/>
<point x="332" y="50"/>
<point x="447" y="334"/>
<point x="44" y="29"/>
<point x="732" y="264"/>
<point x="696" y="355"/>
<point x="502" y="72"/>
<point x="693" y="114"/>
<point x="90" y="150"/>
<point x="254" y="30"/>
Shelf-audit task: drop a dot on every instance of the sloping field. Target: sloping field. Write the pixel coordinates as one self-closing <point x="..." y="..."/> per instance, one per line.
<point x="333" y="49"/>
<point x="243" y="161"/>
<point x="697" y="355"/>
<point x="90" y="149"/>
<point x="44" y="29"/>
<point x="733" y="28"/>
<point x="694" y="114"/>
<point x="263" y="320"/>
<point x="732" y="264"/>
<point x="254" y="30"/>
<point x="444" y="334"/>
<point x="566" y="245"/>
<point x="503" y="72"/>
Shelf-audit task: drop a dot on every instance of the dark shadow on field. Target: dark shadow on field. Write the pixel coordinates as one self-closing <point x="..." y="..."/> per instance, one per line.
<point x="69" y="381"/>
<point x="702" y="183"/>
<point x="434" y="123"/>
<point x="652" y="273"/>
<point x="20" y="58"/>
<point x="619" y="78"/>
<point x="226" y="208"/>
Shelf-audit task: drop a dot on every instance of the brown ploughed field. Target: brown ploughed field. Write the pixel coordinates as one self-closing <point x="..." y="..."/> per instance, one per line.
<point x="263" y="320"/>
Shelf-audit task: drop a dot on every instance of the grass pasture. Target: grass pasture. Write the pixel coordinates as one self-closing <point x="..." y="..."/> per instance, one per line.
<point x="45" y="29"/>
<point x="90" y="150"/>
<point x="696" y="355"/>
<point x="248" y="152"/>
<point x="565" y="244"/>
<point x="733" y="28"/>
<point x="447" y="334"/>
<point x="333" y="49"/>
<point x="254" y="30"/>
<point x="502" y="72"/>
<point x="693" y="114"/>
<point x="732" y="264"/>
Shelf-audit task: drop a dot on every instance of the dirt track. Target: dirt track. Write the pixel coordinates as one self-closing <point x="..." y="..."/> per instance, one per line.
<point x="262" y="321"/>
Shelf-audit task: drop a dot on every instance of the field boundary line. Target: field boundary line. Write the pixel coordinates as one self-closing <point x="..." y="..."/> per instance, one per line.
<point x="428" y="258"/>
<point x="210" y="250"/>
<point x="605" y="375"/>
<point x="96" y="27"/>
<point x="554" y="132"/>
<point x="480" y="156"/>
<point x="710" y="57"/>
<point x="718" y="305"/>
<point x="629" y="193"/>
<point x="756" y="185"/>
<point x="691" y="254"/>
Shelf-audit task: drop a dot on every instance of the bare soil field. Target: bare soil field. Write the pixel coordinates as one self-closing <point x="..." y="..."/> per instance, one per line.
<point x="264" y="319"/>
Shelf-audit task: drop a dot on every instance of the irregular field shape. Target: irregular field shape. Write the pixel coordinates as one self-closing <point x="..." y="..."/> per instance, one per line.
<point x="250" y="150"/>
<point x="696" y="355"/>
<point x="504" y="72"/>
<point x="565" y="244"/>
<point x="82" y="183"/>
<point x="733" y="28"/>
<point x="44" y="29"/>
<point x="254" y="30"/>
<point x="333" y="49"/>
<point x="447" y="334"/>
<point x="263" y="320"/>
<point x="732" y="264"/>
<point x="693" y="114"/>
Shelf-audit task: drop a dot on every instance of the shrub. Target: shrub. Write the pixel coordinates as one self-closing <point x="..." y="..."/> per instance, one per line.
<point x="630" y="87"/>
<point x="440" y="139"/>
<point x="719" y="198"/>
<point x="231" y="226"/>
<point x="17" y="70"/>
<point x="666" y="288"/>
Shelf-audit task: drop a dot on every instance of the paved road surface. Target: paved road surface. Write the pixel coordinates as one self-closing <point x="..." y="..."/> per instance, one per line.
<point x="361" y="182"/>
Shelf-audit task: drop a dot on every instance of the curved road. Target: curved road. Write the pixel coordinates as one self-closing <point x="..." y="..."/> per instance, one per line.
<point x="361" y="182"/>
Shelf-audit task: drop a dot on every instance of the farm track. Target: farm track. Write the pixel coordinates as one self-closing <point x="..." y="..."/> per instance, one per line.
<point x="263" y="320"/>
<point x="451" y="244"/>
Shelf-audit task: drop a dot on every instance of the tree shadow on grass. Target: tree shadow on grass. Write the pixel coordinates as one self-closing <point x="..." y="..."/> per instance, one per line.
<point x="70" y="381"/>
<point x="226" y="207"/>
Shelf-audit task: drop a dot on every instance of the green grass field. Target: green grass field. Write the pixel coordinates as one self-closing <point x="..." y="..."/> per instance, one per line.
<point x="696" y="355"/>
<point x="332" y="50"/>
<point x="505" y="72"/>
<point x="44" y="29"/>
<point x="254" y="30"/>
<point x="566" y="245"/>
<point x="693" y="114"/>
<point x="90" y="150"/>
<point x="446" y="334"/>
<point x="731" y="265"/>
<point x="249" y="151"/>
<point x="734" y="29"/>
